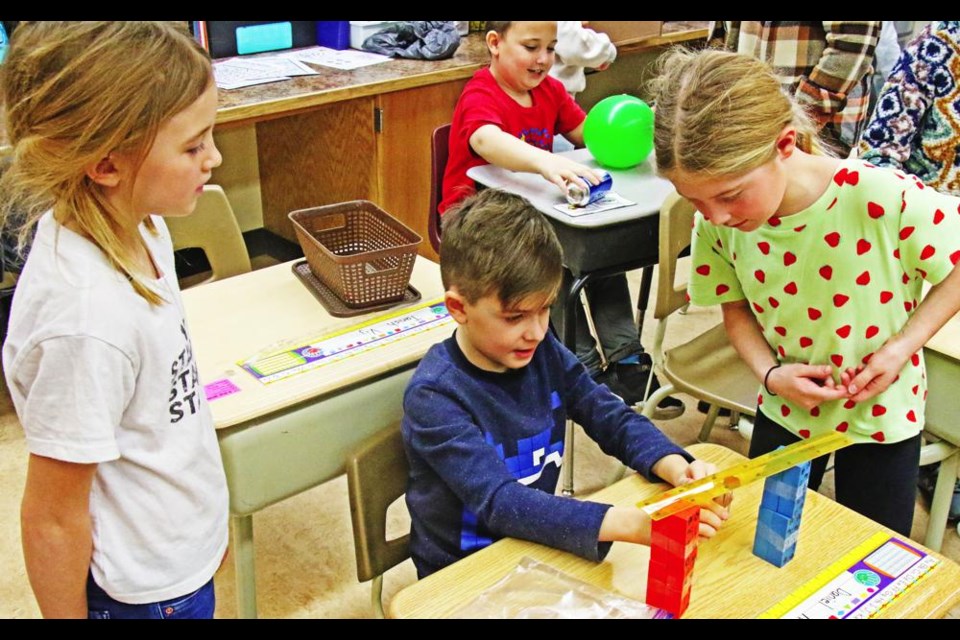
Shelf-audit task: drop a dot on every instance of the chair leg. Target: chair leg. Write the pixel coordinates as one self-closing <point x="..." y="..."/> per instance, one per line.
<point x="708" y="423"/>
<point x="566" y="471"/>
<point x="650" y="404"/>
<point x="940" y="504"/>
<point x="376" y="593"/>
<point x="588" y="314"/>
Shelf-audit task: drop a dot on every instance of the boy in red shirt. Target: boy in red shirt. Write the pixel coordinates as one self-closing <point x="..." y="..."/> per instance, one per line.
<point x="508" y="115"/>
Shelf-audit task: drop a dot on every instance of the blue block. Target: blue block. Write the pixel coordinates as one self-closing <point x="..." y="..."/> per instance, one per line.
<point x="791" y="508"/>
<point x="775" y="555"/>
<point x="770" y="500"/>
<point x="774" y="521"/>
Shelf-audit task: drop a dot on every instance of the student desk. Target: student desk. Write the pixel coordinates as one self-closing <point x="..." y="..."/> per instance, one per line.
<point x="283" y="438"/>
<point x="728" y="582"/>
<point x="597" y="244"/>
<point x="942" y="359"/>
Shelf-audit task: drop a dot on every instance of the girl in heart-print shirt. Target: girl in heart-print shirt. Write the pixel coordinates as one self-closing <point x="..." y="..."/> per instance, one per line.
<point x="818" y="264"/>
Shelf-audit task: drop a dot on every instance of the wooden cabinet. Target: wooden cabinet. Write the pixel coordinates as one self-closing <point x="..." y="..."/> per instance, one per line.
<point x="373" y="148"/>
<point x="408" y="120"/>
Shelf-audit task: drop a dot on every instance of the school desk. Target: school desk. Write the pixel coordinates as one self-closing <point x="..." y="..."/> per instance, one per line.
<point x="282" y="438"/>
<point x="728" y="580"/>
<point x="942" y="358"/>
<point x="596" y="244"/>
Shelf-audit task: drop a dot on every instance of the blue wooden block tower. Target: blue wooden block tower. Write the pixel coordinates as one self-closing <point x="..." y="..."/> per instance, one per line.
<point x="778" y="521"/>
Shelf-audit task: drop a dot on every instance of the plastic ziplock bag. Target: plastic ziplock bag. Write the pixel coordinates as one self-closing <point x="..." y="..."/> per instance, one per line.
<point x="537" y="590"/>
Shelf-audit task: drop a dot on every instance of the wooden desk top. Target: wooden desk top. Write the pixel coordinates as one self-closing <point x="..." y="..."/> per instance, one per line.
<point x="729" y="581"/>
<point x="271" y="310"/>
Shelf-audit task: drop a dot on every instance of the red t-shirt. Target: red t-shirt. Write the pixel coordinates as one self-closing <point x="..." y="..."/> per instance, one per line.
<point x="484" y="102"/>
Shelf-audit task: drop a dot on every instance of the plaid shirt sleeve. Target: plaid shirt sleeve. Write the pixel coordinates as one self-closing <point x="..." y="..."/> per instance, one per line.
<point x="723" y="34"/>
<point x="847" y="58"/>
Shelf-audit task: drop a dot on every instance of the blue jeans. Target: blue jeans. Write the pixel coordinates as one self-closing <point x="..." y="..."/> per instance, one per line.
<point x="197" y="605"/>
<point x="612" y="312"/>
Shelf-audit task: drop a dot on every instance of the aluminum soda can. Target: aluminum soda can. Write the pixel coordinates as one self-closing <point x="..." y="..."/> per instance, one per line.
<point x="580" y="197"/>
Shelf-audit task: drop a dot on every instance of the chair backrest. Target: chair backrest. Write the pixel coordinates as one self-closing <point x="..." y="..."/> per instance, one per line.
<point x="376" y="477"/>
<point x="676" y="223"/>
<point x="213" y="228"/>
<point x="439" y="149"/>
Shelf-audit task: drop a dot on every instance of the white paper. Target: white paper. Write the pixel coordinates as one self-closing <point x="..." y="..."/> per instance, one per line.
<point x="347" y="59"/>
<point x="235" y="73"/>
<point x="610" y="200"/>
<point x="279" y="66"/>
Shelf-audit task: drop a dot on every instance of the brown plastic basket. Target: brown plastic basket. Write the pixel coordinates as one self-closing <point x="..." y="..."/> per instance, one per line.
<point x="362" y="253"/>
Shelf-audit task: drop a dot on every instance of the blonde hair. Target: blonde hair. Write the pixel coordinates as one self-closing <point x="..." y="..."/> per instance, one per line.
<point x="75" y="92"/>
<point x="720" y="113"/>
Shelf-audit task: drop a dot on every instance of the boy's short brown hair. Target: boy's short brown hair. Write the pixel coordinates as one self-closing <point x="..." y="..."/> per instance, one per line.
<point x="500" y="26"/>
<point x="496" y="242"/>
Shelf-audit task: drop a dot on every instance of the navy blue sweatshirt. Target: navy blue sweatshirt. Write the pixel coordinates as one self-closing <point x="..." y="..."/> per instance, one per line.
<point x="485" y="451"/>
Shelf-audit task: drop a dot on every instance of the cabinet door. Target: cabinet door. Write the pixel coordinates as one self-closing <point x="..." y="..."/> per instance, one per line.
<point x="322" y="156"/>
<point x="408" y="118"/>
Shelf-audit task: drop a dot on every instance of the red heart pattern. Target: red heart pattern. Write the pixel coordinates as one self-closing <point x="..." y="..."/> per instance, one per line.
<point x="843" y="283"/>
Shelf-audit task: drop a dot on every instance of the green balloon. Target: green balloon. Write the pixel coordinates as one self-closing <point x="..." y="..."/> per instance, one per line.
<point x="618" y="131"/>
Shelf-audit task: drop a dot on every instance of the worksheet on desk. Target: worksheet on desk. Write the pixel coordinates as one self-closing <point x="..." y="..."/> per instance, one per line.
<point x="610" y="200"/>
<point x="346" y="60"/>
<point x="240" y="72"/>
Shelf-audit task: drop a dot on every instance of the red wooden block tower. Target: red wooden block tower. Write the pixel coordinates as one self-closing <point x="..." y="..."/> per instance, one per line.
<point x="673" y="552"/>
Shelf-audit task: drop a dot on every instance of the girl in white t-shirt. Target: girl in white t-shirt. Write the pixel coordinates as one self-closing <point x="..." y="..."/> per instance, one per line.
<point x="124" y="511"/>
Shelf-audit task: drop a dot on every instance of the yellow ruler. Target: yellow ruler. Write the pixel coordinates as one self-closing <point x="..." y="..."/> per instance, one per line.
<point x="704" y="490"/>
<point x="860" y="584"/>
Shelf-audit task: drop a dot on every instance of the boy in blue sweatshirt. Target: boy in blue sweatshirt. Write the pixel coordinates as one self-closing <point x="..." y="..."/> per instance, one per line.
<point x="484" y="413"/>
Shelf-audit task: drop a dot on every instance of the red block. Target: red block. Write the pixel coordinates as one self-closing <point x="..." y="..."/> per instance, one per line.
<point x="673" y="553"/>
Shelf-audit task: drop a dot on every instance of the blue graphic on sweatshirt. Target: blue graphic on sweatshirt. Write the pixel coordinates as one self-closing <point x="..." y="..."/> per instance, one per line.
<point x="533" y="455"/>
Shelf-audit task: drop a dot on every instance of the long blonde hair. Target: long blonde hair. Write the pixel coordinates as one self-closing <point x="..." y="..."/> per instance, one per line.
<point x="73" y="93"/>
<point x="720" y="113"/>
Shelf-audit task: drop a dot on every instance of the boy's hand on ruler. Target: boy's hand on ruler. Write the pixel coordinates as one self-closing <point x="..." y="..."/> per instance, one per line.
<point x="713" y="515"/>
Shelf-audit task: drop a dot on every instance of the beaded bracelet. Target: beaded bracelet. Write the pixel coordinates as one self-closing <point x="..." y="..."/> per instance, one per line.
<point x="767" y="377"/>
